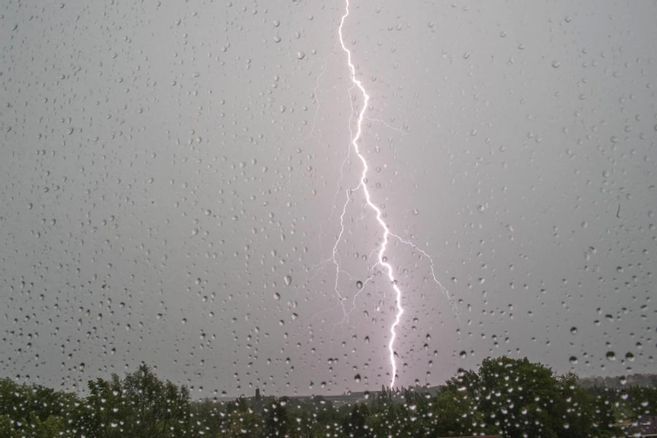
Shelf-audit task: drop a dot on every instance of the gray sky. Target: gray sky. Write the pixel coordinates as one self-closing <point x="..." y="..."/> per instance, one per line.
<point x="171" y="178"/>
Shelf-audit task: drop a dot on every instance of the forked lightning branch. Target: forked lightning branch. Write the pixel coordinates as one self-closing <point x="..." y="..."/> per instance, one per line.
<point x="385" y="234"/>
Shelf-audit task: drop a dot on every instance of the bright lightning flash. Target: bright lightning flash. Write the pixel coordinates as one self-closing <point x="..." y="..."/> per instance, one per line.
<point x="368" y="198"/>
<point x="387" y="235"/>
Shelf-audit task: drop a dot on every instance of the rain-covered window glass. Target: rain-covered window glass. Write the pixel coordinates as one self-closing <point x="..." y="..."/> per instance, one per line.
<point x="338" y="218"/>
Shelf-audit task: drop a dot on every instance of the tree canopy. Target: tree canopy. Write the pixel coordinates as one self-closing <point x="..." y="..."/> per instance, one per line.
<point x="505" y="396"/>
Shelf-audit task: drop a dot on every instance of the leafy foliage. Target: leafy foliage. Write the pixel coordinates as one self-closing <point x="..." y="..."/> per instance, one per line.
<point x="507" y="397"/>
<point x="140" y="405"/>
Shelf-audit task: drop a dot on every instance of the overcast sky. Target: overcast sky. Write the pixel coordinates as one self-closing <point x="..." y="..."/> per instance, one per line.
<point x="171" y="179"/>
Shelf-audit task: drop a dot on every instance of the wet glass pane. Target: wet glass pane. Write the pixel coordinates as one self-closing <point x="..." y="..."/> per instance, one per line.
<point x="412" y="212"/>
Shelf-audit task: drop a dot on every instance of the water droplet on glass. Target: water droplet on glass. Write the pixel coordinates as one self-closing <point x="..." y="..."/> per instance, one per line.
<point x="611" y="355"/>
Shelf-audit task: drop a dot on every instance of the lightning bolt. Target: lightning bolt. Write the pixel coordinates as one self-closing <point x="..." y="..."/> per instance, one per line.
<point x="387" y="234"/>
<point x="362" y="185"/>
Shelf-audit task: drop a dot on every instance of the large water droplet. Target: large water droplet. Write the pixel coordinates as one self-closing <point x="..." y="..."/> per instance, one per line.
<point x="611" y="355"/>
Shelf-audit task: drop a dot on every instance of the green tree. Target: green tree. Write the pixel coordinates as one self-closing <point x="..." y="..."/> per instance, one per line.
<point x="36" y="411"/>
<point x="518" y="397"/>
<point x="242" y="421"/>
<point x="138" y="406"/>
<point x="515" y="398"/>
<point x="7" y="427"/>
<point x="456" y="406"/>
<point x="354" y="423"/>
<point x="576" y="407"/>
<point x="276" y="419"/>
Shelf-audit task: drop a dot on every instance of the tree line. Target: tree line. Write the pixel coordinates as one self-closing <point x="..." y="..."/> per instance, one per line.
<point x="506" y="397"/>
